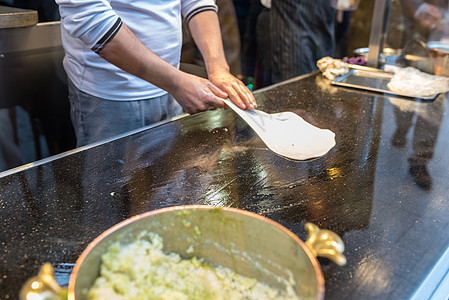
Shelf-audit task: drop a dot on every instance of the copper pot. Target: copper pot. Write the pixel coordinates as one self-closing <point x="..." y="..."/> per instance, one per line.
<point x="250" y="244"/>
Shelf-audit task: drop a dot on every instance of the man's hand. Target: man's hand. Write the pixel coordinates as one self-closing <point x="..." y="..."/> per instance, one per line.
<point x="236" y="90"/>
<point x="196" y="94"/>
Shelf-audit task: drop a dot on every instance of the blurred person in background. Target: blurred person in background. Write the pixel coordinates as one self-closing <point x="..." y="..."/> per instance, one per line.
<point x="47" y="10"/>
<point x="342" y="25"/>
<point x="290" y="37"/>
<point x="9" y="149"/>
<point x="302" y="33"/>
<point x="256" y="53"/>
<point x="6" y="2"/>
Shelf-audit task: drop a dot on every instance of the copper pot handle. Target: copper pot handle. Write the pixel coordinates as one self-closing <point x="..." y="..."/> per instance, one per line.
<point x="43" y="286"/>
<point x="325" y="243"/>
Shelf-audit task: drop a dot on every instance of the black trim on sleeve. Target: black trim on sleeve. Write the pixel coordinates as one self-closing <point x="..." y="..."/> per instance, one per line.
<point x="198" y="10"/>
<point x="107" y="37"/>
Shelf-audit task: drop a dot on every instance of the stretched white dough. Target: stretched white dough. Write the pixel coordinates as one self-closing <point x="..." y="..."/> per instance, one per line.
<point x="287" y="134"/>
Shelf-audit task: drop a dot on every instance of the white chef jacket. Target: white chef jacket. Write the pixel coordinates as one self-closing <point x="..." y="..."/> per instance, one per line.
<point x="87" y="25"/>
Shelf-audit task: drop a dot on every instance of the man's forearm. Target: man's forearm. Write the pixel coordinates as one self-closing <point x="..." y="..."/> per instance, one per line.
<point x="205" y="29"/>
<point x="128" y="53"/>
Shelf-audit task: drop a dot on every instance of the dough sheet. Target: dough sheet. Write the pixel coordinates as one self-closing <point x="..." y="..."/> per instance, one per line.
<point x="287" y="134"/>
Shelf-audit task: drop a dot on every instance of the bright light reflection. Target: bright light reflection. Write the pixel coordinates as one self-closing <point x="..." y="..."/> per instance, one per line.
<point x="32" y="296"/>
<point x="35" y="285"/>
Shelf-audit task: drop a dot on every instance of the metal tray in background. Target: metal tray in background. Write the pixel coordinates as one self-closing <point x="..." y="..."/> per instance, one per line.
<point x="371" y="79"/>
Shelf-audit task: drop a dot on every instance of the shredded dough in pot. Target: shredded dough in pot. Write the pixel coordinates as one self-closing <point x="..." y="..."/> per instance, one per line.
<point x="142" y="270"/>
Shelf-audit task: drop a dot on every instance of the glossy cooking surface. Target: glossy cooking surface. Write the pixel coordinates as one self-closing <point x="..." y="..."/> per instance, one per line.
<point x="361" y="189"/>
